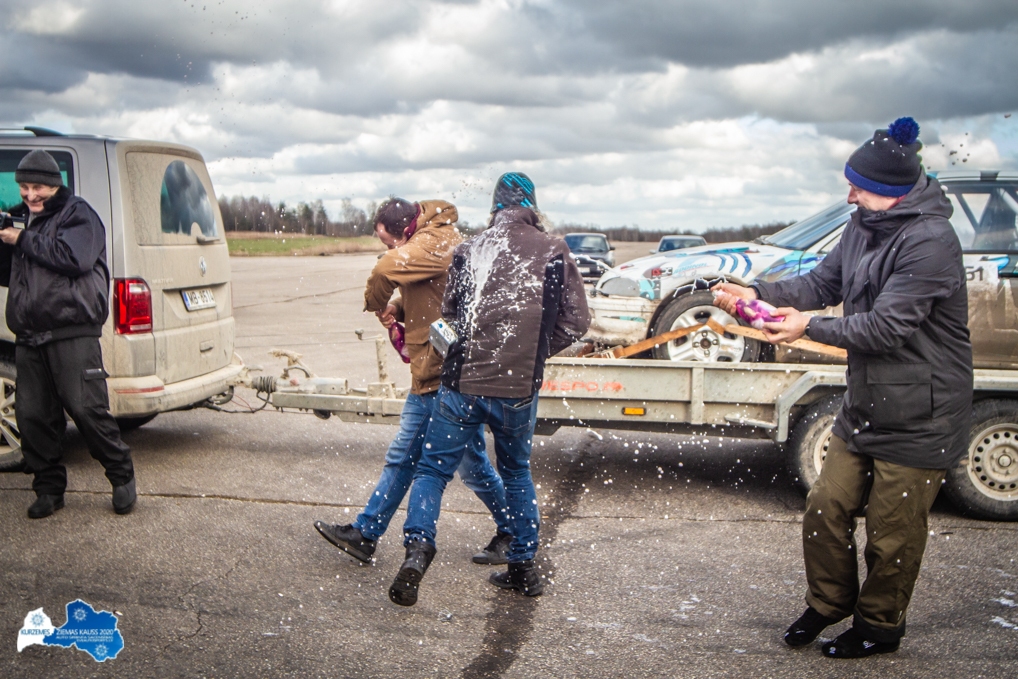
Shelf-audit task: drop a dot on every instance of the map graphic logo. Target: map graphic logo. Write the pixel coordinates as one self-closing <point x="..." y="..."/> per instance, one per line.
<point x="91" y="631"/>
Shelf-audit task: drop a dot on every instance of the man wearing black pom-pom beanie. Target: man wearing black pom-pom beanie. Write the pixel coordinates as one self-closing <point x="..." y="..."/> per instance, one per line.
<point x="905" y="416"/>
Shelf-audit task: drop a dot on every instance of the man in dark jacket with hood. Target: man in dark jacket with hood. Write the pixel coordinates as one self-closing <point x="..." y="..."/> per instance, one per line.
<point x="905" y="417"/>
<point x="57" y="301"/>
<point x="514" y="298"/>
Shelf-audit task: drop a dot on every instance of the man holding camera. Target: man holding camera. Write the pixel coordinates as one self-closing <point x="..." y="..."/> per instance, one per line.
<point x="420" y="237"/>
<point x="57" y="302"/>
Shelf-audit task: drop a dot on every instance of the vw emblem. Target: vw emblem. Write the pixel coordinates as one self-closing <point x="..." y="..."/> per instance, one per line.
<point x="201" y="266"/>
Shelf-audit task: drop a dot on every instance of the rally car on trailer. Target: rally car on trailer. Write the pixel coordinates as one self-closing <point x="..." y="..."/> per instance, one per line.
<point x="638" y="299"/>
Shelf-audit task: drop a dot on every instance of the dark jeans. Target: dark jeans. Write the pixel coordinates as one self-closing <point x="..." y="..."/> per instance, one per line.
<point x="66" y="375"/>
<point x="401" y="461"/>
<point x="899" y="500"/>
<point x="453" y="422"/>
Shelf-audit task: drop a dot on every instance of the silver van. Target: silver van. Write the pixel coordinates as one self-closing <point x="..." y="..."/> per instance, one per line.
<point x="169" y="341"/>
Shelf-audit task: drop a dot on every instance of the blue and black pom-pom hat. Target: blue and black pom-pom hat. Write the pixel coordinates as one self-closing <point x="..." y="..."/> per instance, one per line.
<point x="513" y="188"/>
<point x="889" y="164"/>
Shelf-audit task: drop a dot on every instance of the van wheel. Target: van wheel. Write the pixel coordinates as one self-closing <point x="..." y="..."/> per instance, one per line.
<point x="11" y="459"/>
<point x="129" y="423"/>
<point x="985" y="484"/>
<point x="704" y="344"/>
<point x="810" y="439"/>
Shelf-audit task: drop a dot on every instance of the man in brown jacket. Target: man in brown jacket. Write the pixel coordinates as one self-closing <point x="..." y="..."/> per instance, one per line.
<point x="421" y="237"/>
<point x="514" y="298"/>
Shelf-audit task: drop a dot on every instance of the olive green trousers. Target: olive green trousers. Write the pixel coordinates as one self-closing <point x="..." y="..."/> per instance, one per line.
<point x="897" y="500"/>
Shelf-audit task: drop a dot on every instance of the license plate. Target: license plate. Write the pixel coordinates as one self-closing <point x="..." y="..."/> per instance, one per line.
<point x="202" y="298"/>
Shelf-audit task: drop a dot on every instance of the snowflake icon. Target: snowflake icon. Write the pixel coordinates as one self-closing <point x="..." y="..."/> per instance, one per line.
<point x="101" y="651"/>
<point x="37" y="620"/>
<point x="80" y="614"/>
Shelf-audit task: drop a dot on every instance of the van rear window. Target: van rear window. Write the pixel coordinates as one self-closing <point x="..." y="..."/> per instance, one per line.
<point x="171" y="199"/>
<point x="9" y="159"/>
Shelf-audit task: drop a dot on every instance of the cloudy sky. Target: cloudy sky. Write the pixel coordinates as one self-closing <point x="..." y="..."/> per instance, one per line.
<point x="669" y="114"/>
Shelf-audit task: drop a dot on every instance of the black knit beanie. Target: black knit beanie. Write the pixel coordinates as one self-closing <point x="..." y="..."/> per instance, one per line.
<point x="513" y="188"/>
<point x="889" y="164"/>
<point x="38" y="167"/>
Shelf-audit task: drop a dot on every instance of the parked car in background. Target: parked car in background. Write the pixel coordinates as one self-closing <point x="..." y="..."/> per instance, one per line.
<point x="588" y="250"/>
<point x="636" y="300"/>
<point x="169" y="340"/>
<point x="669" y="243"/>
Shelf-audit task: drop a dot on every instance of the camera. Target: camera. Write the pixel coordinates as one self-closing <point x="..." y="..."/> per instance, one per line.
<point x="8" y="220"/>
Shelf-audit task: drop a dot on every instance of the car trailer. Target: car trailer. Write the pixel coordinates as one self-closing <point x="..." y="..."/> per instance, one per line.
<point x="791" y="404"/>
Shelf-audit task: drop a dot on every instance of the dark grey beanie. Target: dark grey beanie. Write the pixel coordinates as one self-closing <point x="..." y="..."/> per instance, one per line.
<point x="38" y="167"/>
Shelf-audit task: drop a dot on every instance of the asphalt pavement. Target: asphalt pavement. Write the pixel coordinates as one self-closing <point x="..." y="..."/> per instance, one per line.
<point x="668" y="556"/>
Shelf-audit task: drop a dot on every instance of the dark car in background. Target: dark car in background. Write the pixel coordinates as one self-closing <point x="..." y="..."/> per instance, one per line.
<point x="669" y="243"/>
<point x="592" y="252"/>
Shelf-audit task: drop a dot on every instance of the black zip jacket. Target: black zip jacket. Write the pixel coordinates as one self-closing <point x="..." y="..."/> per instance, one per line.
<point x="902" y="280"/>
<point x="56" y="275"/>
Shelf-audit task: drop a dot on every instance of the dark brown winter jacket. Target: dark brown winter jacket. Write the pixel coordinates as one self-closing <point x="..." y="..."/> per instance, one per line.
<point x="418" y="268"/>
<point x="515" y="297"/>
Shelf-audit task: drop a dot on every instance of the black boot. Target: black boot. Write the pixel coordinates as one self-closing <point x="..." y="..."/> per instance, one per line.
<point x="851" y="644"/>
<point x="808" y="627"/>
<point x="403" y="590"/>
<point x="45" y="505"/>
<point x="349" y="539"/>
<point x="497" y="551"/>
<point x="124" y="497"/>
<point x="520" y="576"/>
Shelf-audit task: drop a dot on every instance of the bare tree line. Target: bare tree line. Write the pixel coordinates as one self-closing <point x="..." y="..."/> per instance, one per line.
<point x="261" y="215"/>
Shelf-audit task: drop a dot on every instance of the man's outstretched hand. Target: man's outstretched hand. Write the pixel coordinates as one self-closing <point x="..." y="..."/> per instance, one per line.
<point x="788" y="330"/>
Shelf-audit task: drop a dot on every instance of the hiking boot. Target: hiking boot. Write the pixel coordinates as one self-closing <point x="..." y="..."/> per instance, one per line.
<point x="403" y="591"/>
<point x="520" y="576"/>
<point x="851" y="644"/>
<point x="349" y="539"/>
<point x="497" y="551"/>
<point x="808" y="627"/>
<point x="45" y="505"/>
<point x="124" y="497"/>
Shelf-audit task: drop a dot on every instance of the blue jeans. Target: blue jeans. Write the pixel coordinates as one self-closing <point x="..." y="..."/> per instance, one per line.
<point x="401" y="460"/>
<point x="455" y="419"/>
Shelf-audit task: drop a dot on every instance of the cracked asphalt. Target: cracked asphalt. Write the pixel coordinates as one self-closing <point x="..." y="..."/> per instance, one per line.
<point x="668" y="556"/>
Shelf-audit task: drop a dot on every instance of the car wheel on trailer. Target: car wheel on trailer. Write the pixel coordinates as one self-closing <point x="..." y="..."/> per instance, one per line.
<point x="11" y="459"/>
<point x="810" y="439"/>
<point x="704" y="344"/>
<point x="985" y="484"/>
<point x="129" y="423"/>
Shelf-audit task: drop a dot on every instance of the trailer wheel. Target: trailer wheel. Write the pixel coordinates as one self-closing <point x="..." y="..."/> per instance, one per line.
<point x="704" y="344"/>
<point x="809" y="440"/>
<point x="985" y="484"/>
<point x="11" y="459"/>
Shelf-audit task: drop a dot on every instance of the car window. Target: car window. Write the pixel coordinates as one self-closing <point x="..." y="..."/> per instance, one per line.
<point x="9" y="159"/>
<point x="803" y="234"/>
<point x="668" y="244"/>
<point x="587" y="243"/>
<point x="172" y="199"/>
<point x="984" y="215"/>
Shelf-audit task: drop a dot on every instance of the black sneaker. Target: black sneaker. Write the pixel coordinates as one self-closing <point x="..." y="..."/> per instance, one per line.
<point x="497" y="551"/>
<point x="522" y="577"/>
<point x="45" y="505"/>
<point x="851" y="644"/>
<point x="124" y="497"/>
<point x="808" y="627"/>
<point x="403" y="590"/>
<point x="347" y="538"/>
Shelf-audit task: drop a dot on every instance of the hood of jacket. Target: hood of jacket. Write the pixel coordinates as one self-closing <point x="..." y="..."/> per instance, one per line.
<point x="435" y="213"/>
<point x="926" y="198"/>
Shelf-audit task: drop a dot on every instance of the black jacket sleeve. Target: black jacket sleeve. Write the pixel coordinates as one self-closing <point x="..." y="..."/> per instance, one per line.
<point x="926" y="269"/>
<point x="6" y="252"/>
<point x="573" y="317"/>
<point x="74" y="250"/>
<point x="818" y="289"/>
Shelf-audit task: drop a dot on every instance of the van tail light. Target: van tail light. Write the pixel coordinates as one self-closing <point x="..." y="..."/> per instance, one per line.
<point x="132" y="303"/>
